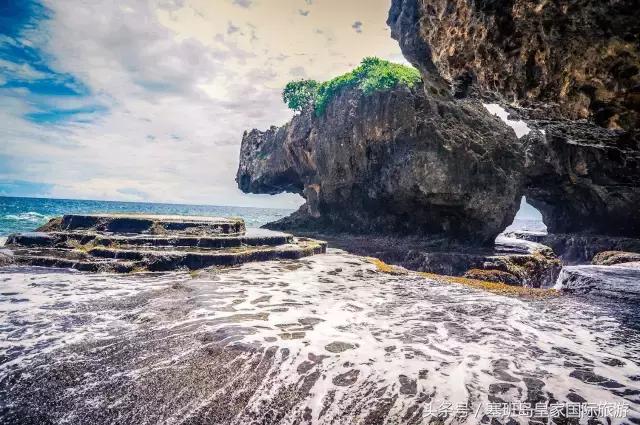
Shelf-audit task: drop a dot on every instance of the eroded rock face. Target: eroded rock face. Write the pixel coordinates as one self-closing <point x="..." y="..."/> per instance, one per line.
<point x="584" y="178"/>
<point x="609" y="258"/>
<point x="391" y="162"/>
<point x="571" y="69"/>
<point x="559" y="59"/>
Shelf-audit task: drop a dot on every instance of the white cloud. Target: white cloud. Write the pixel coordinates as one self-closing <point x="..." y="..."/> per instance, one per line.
<point x="178" y="90"/>
<point x="22" y="71"/>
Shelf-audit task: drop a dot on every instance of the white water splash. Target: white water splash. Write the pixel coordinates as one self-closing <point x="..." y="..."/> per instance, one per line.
<point x="327" y="338"/>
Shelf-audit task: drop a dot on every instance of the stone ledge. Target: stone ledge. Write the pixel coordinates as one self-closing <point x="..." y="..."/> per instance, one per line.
<point x="127" y="243"/>
<point x="146" y="224"/>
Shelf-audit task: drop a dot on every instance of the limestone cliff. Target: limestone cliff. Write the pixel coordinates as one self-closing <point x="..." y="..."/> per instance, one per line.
<point x="571" y="69"/>
<point x="432" y="161"/>
<point x="555" y="59"/>
<point x="398" y="161"/>
<point x="584" y="179"/>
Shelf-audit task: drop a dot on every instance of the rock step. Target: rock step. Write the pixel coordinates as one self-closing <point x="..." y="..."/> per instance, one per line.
<point x="147" y="224"/>
<point x="616" y="281"/>
<point x="127" y="260"/>
<point x="72" y="239"/>
<point x="72" y="259"/>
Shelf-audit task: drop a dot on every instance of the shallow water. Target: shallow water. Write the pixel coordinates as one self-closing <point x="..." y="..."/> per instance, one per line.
<point x="326" y="339"/>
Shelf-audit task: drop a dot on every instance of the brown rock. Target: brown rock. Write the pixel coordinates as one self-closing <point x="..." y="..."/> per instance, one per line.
<point x="609" y="258"/>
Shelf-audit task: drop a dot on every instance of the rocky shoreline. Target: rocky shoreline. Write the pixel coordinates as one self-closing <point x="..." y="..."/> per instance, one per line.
<point x="425" y="177"/>
<point x="324" y="339"/>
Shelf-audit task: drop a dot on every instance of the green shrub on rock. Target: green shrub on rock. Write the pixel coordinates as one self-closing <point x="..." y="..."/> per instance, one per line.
<point x="373" y="74"/>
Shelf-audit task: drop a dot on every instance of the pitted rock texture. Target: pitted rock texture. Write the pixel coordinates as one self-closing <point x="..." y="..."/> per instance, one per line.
<point x="398" y="162"/>
<point x="584" y="179"/>
<point x="556" y="59"/>
<point x="571" y="69"/>
<point x="610" y="258"/>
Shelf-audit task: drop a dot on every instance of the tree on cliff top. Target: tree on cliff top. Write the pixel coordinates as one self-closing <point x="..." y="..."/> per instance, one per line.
<point x="300" y="95"/>
<point x="373" y="74"/>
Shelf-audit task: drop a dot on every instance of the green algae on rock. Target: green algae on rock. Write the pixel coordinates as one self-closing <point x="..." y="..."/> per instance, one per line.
<point x="132" y="243"/>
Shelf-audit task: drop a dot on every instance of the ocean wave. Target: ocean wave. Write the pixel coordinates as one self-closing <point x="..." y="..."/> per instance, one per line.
<point x="30" y="216"/>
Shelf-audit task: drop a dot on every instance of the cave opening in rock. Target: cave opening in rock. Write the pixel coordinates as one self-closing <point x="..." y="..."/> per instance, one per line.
<point x="528" y="218"/>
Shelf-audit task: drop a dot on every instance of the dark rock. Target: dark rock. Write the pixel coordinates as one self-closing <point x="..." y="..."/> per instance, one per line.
<point x="571" y="69"/>
<point x="347" y="378"/>
<point x="493" y="276"/>
<point x="146" y="224"/>
<point x="26" y="239"/>
<point x="395" y="162"/>
<point x="561" y="59"/>
<point x="339" y="347"/>
<point x="578" y="249"/>
<point x="408" y="386"/>
<point x="584" y="179"/>
<point x="618" y="281"/>
<point x="531" y="264"/>
<point x="608" y="258"/>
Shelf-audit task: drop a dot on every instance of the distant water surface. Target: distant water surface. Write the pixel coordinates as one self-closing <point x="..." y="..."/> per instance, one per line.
<point x="26" y="214"/>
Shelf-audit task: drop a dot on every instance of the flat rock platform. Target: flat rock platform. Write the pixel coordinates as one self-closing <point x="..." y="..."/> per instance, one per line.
<point x="131" y="242"/>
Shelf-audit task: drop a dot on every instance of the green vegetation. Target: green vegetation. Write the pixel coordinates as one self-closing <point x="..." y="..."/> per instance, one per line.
<point x="300" y="95"/>
<point x="373" y="74"/>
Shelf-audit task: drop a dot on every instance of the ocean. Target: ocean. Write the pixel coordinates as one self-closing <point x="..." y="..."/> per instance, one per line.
<point x="27" y="214"/>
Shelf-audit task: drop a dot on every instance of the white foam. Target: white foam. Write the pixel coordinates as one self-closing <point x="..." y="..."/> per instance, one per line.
<point x="446" y="337"/>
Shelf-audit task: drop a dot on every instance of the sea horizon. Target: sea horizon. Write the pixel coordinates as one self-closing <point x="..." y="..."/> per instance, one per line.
<point x="23" y="214"/>
<point x="26" y="213"/>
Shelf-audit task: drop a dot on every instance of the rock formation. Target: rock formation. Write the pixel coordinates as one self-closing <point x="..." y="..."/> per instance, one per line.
<point x="434" y="162"/>
<point x="578" y="248"/>
<point x="571" y="69"/>
<point x="555" y="59"/>
<point x="397" y="162"/>
<point x="610" y="258"/>
<point x="615" y="281"/>
<point x="126" y="243"/>
<point x="584" y="179"/>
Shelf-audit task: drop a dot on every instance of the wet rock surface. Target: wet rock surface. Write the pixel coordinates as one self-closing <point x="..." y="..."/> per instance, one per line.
<point x="6" y="257"/>
<point x="133" y="243"/>
<point x="511" y="260"/>
<point x="575" y="249"/>
<point x="146" y="224"/>
<point x="609" y="258"/>
<point x="393" y="162"/>
<point x="210" y="348"/>
<point x="621" y="281"/>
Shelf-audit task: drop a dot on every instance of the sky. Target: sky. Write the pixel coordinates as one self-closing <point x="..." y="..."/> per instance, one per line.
<point x="139" y="100"/>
